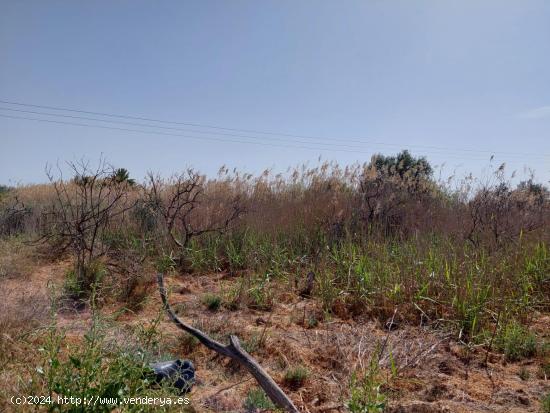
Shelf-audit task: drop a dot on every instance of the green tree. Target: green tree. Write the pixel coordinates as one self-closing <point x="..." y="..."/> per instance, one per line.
<point x="403" y="165"/>
<point x="121" y="175"/>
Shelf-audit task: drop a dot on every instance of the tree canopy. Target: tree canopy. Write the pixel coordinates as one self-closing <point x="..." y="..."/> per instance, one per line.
<point x="403" y="165"/>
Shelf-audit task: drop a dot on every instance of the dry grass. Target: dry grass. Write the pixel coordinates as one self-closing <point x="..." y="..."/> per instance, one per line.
<point x="420" y="288"/>
<point x="417" y="365"/>
<point x="23" y="312"/>
<point x="17" y="259"/>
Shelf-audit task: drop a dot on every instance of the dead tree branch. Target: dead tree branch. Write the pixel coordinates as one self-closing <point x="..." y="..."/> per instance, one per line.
<point x="234" y="351"/>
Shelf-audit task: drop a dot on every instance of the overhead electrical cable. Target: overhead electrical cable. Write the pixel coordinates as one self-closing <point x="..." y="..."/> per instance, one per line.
<point x="332" y="139"/>
<point x="284" y="140"/>
<point x="153" y="132"/>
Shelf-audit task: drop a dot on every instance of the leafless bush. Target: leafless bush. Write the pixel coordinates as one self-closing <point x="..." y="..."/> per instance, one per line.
<point x="83" y="210"/>
<point x="499" y="214"/>
<point x="12" y="216"/>
<point x="185" y="208"/>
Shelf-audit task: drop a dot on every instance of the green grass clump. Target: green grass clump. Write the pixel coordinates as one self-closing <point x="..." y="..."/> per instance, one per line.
<point x="516" y="342"/>
<point x="165" y="263"/>
<point x="295" y="377"/>
<point x="253" y="343"/>
<point x="212" y="301"/>
<point x="256" y="399"/>
<point x="260" y="296"/>
<point x="232" y="296"/>
<point x="78" y="286"/>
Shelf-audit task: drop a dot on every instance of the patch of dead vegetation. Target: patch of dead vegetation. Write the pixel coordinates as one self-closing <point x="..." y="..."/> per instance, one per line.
<point x="426" y="370"/>
<point x="434" y="373"/>
<point x="17" y="259"/>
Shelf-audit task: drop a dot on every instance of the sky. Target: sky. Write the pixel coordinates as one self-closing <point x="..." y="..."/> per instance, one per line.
<point x="456" y="81"/>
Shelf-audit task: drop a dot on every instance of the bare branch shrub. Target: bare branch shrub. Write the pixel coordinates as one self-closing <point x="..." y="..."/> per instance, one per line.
<point x="500" y="215"/>
<point x="187" y="208"/>
<point x="12" y="216"/>
<point x="83" y="210"/>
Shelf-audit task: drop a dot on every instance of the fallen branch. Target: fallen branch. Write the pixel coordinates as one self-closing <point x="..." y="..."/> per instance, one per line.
<point x="234" y="351"/>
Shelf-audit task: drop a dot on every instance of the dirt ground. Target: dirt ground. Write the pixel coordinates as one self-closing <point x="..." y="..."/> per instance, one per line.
<point x="431" y="373"/>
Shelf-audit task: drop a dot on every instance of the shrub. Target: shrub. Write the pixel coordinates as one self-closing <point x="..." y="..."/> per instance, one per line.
<point x="82" y="214"/>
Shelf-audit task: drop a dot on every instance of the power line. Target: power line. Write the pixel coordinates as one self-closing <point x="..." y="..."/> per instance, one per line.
<point x="283" y="140"/>
<point x="170" y="134"/>
<point x="149" y="132"/>
<point x="168" y="127"/>
<point x="111" y="115"/>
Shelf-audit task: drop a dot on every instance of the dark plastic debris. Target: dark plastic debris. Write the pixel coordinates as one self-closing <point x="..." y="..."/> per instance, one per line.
<point x="181" y="373"/>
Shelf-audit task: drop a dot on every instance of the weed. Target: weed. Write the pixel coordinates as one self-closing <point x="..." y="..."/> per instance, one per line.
<point x="165" y="263"/>
<point x="256" y="399"/>
<point x="232" y="296"/>
<point x="327" y="290"/>
<point x="259" y="294"/>
<point x="16" y="258"/>
<point x="189" y="343"/>
<point x="253" y="343"/>
<point x="94" y="368"/>
<point x="203" y="254"/>
<point x="179" y="308"/>
<point x="212" y="301"/>
<point x="366" y="395"/>
<point x="235" y="252"/>
<point x="295" y="377"/>
<point x="80" y="286"/>
<point x="516" y="342"/>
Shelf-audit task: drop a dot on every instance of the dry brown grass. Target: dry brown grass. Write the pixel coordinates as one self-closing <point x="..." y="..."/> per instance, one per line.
<point x="24" y="310"/>
<point x="452" y="264"/>
<point x="17" y="258"/>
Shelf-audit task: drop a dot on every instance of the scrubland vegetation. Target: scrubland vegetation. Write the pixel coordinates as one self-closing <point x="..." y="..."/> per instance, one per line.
<point x="464" y="262"/>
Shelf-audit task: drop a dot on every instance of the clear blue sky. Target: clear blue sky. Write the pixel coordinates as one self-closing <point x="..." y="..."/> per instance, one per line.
<point x="471" y="75"/>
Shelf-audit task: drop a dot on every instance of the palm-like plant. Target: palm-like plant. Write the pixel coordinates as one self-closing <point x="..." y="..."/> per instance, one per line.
<point x="121" y="175"/>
